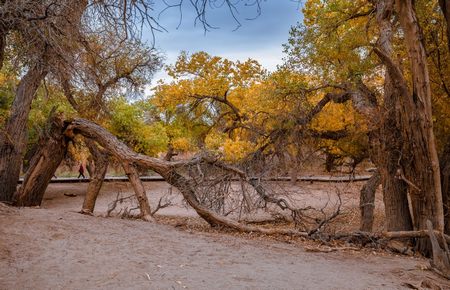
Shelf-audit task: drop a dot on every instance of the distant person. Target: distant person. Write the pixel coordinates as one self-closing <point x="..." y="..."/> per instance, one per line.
<point x="81" y="171"/>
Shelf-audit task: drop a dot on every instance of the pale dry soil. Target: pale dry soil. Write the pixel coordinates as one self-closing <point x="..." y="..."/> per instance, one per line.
<point x="54" y="247"/>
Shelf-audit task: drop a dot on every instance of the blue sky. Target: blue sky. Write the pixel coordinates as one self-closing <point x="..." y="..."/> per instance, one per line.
<point x="259" y="38"/>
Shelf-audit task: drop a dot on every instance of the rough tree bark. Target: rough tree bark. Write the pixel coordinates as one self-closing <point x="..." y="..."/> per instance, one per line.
<point x="97" y="172"/>
<point x="418" y="163"/>
<point x="13" y="138"/>
<point x="133" y="176"/>
<point x="418" y="125"/>
<point x="382" y="151"/>
<point x="51" y="151"/>
<point x="395" y="191"/>
<point x="367" y="202"/>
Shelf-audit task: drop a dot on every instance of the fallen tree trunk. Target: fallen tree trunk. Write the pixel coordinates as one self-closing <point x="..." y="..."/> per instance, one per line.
<point x="168" y="171"/>
<point x="413" y="234"/>
<point x="400" y="235"/>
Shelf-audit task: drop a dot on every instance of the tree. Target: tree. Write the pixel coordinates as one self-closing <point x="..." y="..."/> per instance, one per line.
<point x="417" y="126"/>
<point x="209" y="96"/>
<point x="50" y="35"/>
<point x="38" y="28"/>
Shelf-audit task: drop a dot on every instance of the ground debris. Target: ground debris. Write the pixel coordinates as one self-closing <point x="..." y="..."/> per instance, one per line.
<point x="425" y="284"/>
<point x="7" y="210"/>
<point x="330" y="249"/>
<point x="399" y="247"/>
<point x="210" y="255"/>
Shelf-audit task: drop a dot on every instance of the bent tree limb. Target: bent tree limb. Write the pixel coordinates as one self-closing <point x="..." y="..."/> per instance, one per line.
<point x="167" y="170"/>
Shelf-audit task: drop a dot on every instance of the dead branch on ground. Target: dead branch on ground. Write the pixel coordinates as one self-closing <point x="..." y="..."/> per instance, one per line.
<point x="164" y="201"/>
<point x="209" y="186"/>
<point x="125" y="211"/>
<point x="205" y="182"/>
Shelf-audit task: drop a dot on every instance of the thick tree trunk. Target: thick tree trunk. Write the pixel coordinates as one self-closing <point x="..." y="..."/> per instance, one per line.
<point x="367" y="202"/>
<point x="141" y="195"/>
<point x="395" y="190"/>
<point x="13" y="138"/>
<point x="51" y="151"/>
<point x="418" y="163"/>
<point x="397" y="214"/>
<point x="422" y="168"/>
<point x="97" y="172"/>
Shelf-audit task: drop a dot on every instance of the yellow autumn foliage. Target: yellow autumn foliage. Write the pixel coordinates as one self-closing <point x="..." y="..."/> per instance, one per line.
<point x="235" y="150"/>
<point x="182" y="144"/>
<point x="215" y="140"/>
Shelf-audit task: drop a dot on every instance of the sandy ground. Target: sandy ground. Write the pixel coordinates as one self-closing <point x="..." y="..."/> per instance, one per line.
<point x="54" y="247"/>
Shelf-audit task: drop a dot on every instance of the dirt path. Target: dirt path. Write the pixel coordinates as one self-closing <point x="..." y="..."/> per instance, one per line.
<point x="56" y="248"/>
